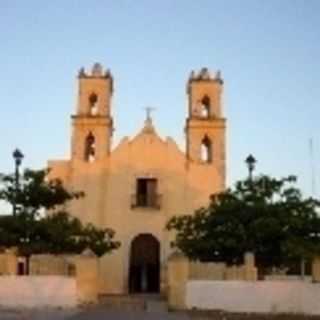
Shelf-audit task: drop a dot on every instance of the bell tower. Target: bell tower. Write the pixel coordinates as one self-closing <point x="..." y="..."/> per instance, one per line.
<point x="205" y="126"/>
<point x="92" y="124"/>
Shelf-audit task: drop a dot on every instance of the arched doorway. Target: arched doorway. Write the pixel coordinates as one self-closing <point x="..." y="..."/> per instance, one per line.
<point x="144" y="270"/>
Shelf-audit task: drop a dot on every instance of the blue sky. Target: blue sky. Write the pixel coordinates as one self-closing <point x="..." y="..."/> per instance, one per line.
<point x="268" y="52"/>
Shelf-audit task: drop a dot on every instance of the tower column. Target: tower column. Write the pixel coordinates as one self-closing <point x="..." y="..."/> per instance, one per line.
<point x="92" y="124"/>
<point x="205" y="124"/>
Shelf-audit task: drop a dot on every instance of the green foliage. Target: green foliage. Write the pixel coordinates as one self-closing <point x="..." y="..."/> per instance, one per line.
<point x="266" y="216"/>
<point x="56" y="233"/>
<point x="35" y="192"/>
<point x="33" y="231"/>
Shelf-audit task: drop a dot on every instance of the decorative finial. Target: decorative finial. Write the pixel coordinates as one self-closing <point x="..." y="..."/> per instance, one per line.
<point x="192" y="75"/>
<point x="97" y="70"/>
<point x="148" y="126"/>
<point x="107" y="74"/>
<point x="218" y="77"/>
<point x="81" y="73"/>
<point x="204" y="74"/>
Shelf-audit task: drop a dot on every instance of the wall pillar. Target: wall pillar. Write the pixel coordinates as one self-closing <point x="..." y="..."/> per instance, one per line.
<point x="178" y="274"/>
<point x="164" y="280"/>
<point x="87" y="277"/>
<point x="250" y="270"/>
<point x="11" y="261"/>
<point x="316" y="269"/>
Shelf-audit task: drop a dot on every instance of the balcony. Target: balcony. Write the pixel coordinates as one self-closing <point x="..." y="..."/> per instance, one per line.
<point x="151" y="201"/>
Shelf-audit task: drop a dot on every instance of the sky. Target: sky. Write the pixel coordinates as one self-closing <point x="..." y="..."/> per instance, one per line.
<point x="268" y="53"/>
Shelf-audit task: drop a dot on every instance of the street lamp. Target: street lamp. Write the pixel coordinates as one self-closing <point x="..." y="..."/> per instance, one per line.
<point x="251" y="162"/>
<point x="17" y="156"/>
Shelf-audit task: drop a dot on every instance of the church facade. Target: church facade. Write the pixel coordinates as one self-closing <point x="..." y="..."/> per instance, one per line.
<point x="135" y="187"/>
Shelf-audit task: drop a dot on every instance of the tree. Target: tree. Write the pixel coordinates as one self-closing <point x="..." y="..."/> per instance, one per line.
<point x="267" y="216"/>
<point x="36" y="192"/>
<point x="32" y="230"/>
<point x="62" y="233"/>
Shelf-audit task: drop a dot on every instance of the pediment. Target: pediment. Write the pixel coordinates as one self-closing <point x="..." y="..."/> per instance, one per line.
<point x="148" y="140"/>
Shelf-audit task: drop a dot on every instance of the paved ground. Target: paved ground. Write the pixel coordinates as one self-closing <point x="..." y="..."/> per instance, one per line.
<point x="31" y="314"/>
<point x="118" y="315"/>
<point x="97" y="313"/>
<point x="36" y="314"/>
<point x="101" y="313"/>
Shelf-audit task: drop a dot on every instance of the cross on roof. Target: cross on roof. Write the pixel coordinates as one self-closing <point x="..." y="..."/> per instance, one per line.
<point x="148" y="112"/>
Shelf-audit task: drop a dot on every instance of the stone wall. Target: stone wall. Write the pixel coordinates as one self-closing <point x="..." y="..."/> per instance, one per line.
<point x="181" y="271"/>
<point x="47" y="264"/>
<point x="83" y="267"/>
<point x="37" y="291"/>
<point x="254" y="296"/>
<point x="221" y="271"/>
<point x="59" y="280"/>
<point x="236" y="289"/>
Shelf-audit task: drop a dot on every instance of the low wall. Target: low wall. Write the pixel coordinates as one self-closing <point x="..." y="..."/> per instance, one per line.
<point x="48" y="264"/>
<point x="255" y="296"/>
<point x="38" y="291"/>
<point x="274" y="277"/>
<point x="220" y="271"/>
<point x="181" y="271"/>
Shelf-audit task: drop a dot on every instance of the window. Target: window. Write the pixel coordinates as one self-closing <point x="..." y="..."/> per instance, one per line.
<point x="205" y="107"/>
<point x="90" y="148"/>
<point x="206" y="150"/>
<point x="146" y="193"/>
<point x="93" y="104"/>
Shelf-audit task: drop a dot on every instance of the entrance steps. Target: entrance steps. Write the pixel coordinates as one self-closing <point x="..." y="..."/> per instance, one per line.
<point x="135" y="302"/>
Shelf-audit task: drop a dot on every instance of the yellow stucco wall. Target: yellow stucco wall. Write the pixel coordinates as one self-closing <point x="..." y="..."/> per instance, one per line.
<point x="109" y="182"/>
<point x="9" y="262"/>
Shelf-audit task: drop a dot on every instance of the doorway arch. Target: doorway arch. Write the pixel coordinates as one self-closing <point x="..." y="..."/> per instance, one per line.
<point x="144" y="268"/>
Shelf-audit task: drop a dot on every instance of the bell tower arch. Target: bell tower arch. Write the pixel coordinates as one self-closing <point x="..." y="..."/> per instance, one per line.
<point x="93" y="124"/>
<point x="205" y="125"/>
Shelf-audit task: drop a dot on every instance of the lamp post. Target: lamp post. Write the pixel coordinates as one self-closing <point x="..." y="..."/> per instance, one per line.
<point x="17" y="156"/>
<point x="251" y="162"/>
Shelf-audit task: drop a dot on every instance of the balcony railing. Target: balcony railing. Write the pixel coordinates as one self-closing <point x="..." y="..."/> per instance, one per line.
<point x="152" y="201"/>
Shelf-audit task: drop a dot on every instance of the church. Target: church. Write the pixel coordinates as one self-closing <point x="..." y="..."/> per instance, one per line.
<point x="136" y="186"/>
